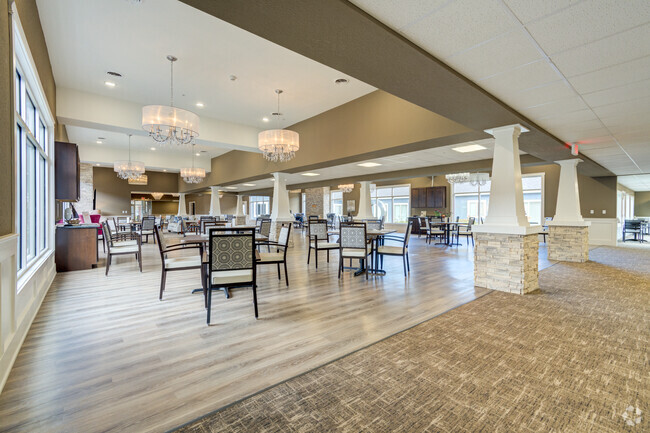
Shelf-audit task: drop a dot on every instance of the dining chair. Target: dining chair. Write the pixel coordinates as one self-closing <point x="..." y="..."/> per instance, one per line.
<point x="465" y="231"/>
<point x="204" y="220"/>
<point x="319" y="239"/>
<point x="373" y="224"/>
<point x="401" y="250"/>
<point x="115" y="228"/>
<point x="278" y="257"/>
<point x="175" y="263"/>
<point x="115" y="249"/>
<point x="432" y="231"/>
<point x="147" y="227"/>
<point x="231" y="262"/>
<point x="354" y="245"/>
<point x="118" y="239"/>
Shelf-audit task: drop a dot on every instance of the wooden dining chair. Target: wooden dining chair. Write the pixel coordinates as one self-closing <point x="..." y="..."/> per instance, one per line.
<point x="147" y="227"/>
<point x="279" y="257"/>
<point x="231" y="262"/>
<point x="115" y="249"/>
<point x="354" y="245"/>
<point x="401" y="250"/>
<point x="465" y="231"/>
<point x="175" y="263"/>
<point x="433" y="231"/>
<point x="319" y="240"/>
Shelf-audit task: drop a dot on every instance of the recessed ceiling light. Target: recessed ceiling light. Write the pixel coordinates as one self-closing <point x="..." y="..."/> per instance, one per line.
<point x="231" y="187"/>
<point x="310" y="174"/>
<point x="248" y="184"/>
<point x="109" y="84"/>
<point x="200" y="104"/>
<point x="369" y="164"/>
<point x="469" y="148"/>
<point x="265" y="119"/>
<point x="164" y="169"/>
<point x="152" y="148"/>
<point x="198" y="154"/>
<point x="97" y="165"/>
<point x="100" y="142"/>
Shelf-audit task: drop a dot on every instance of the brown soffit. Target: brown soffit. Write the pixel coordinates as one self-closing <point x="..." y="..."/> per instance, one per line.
<point x="338" y="34"/>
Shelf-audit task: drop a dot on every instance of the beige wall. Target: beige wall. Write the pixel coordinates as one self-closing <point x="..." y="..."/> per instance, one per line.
<point x="202" y="201"/>
<point x="642" y="204"/>
<point x="114" y="195"/>
<point x="164" y="207"/>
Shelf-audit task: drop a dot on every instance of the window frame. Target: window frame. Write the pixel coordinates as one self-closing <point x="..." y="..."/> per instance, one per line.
<point x="42" y="139"/>
<point x="374" y="197"/>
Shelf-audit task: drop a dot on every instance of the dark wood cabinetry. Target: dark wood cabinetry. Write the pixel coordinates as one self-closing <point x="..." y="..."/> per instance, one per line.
<point x="431" y="197"/>
<point x="76" y="248"/>
<point x="66" y="171"/>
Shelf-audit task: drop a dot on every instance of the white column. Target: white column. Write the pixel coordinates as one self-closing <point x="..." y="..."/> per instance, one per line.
<point x="506" y="212"/>
<point x="567" y="209"/>
<point x="240" y="205"/>
<point x="182" y="209"/>
<point x="365" y="204"/>
<point x="280" y="207"/>
<point x="215" y="204"/>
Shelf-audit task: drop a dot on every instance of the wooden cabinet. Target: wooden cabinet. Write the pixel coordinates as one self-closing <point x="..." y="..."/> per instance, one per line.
<point x="431" y="197"/>
<point x="66" y="171"/>
<point x="76" y="248"/>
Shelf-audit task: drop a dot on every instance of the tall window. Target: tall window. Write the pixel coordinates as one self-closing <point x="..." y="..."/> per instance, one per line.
<point x="336" y="206"/>
<point x="473" y="201"/>
<point x="391" y="202"/>
<point x="33" y="159"/>
<point x="258" y="205"/>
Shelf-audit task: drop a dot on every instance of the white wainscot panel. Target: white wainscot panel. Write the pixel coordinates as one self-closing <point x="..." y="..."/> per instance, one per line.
<point x="602" y="231"/>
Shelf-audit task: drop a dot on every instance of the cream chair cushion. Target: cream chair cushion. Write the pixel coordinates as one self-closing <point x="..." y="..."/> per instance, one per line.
<point x="325" y="245"/>
<point x="390" y="250"/>
<point x="182" y="262"/>
<point x="354" y="252"/>
<point x="231" y="277"/>
<point x="124" y="249"/>
<point x="271" y="257"/>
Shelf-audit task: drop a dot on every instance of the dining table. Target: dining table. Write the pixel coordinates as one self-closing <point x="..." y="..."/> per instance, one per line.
<point x="447" y="227"/>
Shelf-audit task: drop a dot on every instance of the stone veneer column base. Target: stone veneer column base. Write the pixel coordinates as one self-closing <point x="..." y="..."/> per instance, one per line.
<point x="506" y="262"/>
<point x="275" y="231"/>
<point x="568" y="243"/>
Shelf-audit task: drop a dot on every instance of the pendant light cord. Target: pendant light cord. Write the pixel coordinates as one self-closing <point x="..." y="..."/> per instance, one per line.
<point x="129" y="149"/>
<point x="172" y="82"/>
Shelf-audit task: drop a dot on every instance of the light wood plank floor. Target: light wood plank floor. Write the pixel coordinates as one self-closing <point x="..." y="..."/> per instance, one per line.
<point x="104" y="354"/>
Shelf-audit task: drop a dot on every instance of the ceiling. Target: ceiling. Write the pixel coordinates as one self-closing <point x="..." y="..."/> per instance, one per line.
<point x="114" y="146"/>
<point x="422" y="158"/>
<point x="580" y="69"/>
<point x="88" y="38"/>
<point x="639" y="182"/>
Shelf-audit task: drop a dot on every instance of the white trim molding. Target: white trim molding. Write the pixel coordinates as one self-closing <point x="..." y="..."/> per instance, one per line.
<point x="18" y="309"/>
<point x="603" y="231"/>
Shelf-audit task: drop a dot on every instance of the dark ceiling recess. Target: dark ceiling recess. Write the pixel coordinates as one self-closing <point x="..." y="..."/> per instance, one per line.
<point x="343" y="37"/>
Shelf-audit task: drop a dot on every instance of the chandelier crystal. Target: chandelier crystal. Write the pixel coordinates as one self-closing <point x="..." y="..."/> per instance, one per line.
<point x="473" y="178"/>
<point x="193" y="174"/>
<point x="157" y="195"/>
<point x="169" y="124"/>
<point x="128" y="169"/>
<point x="346" y="187"/>
<point x="457" y="177"/>
<point x="278" y="145"/>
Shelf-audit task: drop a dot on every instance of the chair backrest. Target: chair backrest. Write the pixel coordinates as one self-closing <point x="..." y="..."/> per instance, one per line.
<point x="283" y="237"/>
<point x="353" y="236"/>
<point x="108" y="239"/>
<point x="318" y="229"/>
<point x="407" y="235"/>
<point x="229" y="251"/>
<point x="265" y="227"/>
<point x="207" y="225"/>
<point x="373" y="224"/>
<point x="313" y="217"/>
<point x="427" y="223"/>
<point x="122" y="220"/>
<point x="632" y="225"/>
<point x="148" y="223"/>
<point x="112" y="225"/>
<point x="470" y="222"/>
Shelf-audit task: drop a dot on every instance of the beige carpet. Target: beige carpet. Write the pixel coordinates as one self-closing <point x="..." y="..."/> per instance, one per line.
<point x="571" y="357"/>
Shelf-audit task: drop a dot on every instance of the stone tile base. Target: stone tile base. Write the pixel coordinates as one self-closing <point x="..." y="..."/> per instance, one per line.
<point x="506" y="262"/>
<point x="568" y="243"/>
<point x="275" y="231"/>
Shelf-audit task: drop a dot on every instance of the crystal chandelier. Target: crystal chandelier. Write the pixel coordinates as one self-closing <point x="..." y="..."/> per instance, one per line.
<point x="143" y="179"/>
<point x="168" y="124"/>
<point x="278" y="145"/>
<point x="457" y="177"/>
<point x="157" y="195"/>
<point x="346" y="187"/>
<point x="193" y="174"/>
<point x="473" y="178"/>
<point x="128" y="169"/>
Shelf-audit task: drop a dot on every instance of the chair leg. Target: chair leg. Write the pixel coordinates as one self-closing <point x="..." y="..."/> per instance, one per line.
<point x="279" y="275"/>
<point x="340" y="265"/>
<point x="209" y="303"/>
<point x="286" y="274"/>
<point x="226" y="291"/>
<point x="364" y="263"/>
<point x="473" y="239"/>
<point x="408" y="265"/>
<point x="163" y="278"/>
<point x="108" y="263"/>
<point x="255" y="299"/>
<point x="328" y="256"/>
<point x="316" y="258"/>
<point x="139" y="256"/>
<point x="308" y="254"/>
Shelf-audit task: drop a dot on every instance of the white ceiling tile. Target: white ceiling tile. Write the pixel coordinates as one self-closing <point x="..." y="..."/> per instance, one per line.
<point x="633" y="106"/>
<point x="520" y="78"/>
<point x="498" y="55"/>
<point x="398" y="14"/>
<point x="567" y="118"/>
<point x="622" y="93"/>
<point x="588" y="21"/>
<point x="623" y="73"/>
<point x="636" y="183"/>
<point x="528" y="98"/>
<point x="619" y="48"/>
<point x="459" y="26"/>
<point x="527" y="10"/>
<point x="567" y="105"/>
